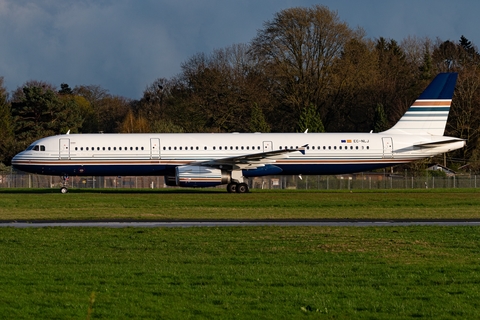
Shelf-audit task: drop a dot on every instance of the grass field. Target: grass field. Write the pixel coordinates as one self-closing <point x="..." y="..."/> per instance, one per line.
<point x="240" y="272"/>
<point x="168" y="205"/>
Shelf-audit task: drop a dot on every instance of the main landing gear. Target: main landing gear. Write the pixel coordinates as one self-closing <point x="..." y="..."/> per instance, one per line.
<point x="237" y="187"/>
<point x="64" y="188"/>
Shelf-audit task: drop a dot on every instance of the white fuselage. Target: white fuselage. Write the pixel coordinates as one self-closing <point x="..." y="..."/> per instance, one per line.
<point x="159" y="154"/>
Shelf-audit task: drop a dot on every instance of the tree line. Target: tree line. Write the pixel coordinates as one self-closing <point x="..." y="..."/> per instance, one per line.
<point x="305" y="69"/>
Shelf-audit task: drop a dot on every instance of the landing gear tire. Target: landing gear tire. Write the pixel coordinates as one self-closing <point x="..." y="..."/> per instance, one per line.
<point x="242" y="188"/>
<point x="64" y="188"/>
<point x="231" y="187"/>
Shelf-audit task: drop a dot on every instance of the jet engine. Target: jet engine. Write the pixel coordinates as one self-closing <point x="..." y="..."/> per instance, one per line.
<point x="198" y="176"/>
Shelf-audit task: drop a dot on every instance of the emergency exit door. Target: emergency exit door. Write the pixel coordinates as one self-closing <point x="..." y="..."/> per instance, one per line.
<point x="155" y="148"/>
<point x="387" y="148"/>
<point x="64" y="148"/>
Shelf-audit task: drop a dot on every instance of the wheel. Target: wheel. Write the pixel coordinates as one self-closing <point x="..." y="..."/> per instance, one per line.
<point x="242" y="188"/>
<point x="64" y="190"/>
<point x="231" y="187"/>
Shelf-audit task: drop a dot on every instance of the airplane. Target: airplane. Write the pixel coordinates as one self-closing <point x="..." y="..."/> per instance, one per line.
<point x="212" y="159"/>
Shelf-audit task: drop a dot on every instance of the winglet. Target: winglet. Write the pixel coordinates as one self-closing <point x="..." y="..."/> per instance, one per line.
<point x="302" y="149"/>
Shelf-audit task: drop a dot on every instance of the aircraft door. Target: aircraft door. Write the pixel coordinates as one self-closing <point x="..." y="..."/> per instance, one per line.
<point x="64" y="148"/>
<point x="387" y="147"/>
<point x="267" y="146"/>
<point x="154" y="148"/>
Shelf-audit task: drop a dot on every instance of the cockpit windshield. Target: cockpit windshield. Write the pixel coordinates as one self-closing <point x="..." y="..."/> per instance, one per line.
<point x="36" y="148"/>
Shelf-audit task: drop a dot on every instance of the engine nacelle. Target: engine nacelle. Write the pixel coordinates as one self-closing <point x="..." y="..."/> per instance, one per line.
<point x="199" y="176"/>
<point x="170" y="181"/>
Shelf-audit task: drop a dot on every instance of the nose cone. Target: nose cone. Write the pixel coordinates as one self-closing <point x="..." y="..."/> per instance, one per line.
<point x="19" y="161"/>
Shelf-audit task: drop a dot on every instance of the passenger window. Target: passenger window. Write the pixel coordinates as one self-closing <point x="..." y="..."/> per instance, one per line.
<point x="103" y="148"/>
<point x="76" y="148"/>
<point x="196" y="148"/>
<point x="42" y="148"/>
<point x="368" y="147"/>
<point x="180" y="148"/>
<point x="142" y="148"/>
<point x="204" y="148"/>
<point x="214" y="148"/>
<point x="329" y="148"/>
<point x="340" y="147"/>
<point x="109" y="148"/>
<point x="174" y="148"/>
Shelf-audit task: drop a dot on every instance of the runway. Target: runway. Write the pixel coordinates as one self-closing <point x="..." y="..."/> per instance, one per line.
<point x="237" y="223"/>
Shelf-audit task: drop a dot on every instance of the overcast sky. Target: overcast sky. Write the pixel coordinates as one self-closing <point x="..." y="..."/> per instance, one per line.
<point x="124" y="45"/>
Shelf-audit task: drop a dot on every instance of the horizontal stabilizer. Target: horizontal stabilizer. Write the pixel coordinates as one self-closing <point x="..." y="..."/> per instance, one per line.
<point x="437" y="143"/>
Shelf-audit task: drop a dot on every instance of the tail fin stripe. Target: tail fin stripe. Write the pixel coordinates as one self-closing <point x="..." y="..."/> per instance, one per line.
<point x="420" y="103"/>
<point x="437" y="109"/>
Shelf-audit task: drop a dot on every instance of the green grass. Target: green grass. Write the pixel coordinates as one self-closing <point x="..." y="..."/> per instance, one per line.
<point x="242" y="272"/>
<point x="212" y="204"/>
<point x="262" y="272"/>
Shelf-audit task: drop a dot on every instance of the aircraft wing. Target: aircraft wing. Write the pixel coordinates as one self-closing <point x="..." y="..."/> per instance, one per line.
<point x="250" y="161"/>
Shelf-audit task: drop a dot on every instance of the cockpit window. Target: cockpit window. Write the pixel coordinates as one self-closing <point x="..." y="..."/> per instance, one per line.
<point x="36" y="147"/>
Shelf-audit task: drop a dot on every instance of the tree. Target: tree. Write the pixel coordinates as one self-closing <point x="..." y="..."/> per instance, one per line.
<point x="257" y="120"/>
<point x="132" y="124"/>
<point x="65" y="89"/>
<point x="380" y="120"/>
<point x="353" y="83"/>
<point x="297" y="50"/>
<point x="219" y="90"/>
<point x="310" y="120"/>
<point x="446" y="56"/>
<point x="40" y="112"/>
<point x="6" y="127"/>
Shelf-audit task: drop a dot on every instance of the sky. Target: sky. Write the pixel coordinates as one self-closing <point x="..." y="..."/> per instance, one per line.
<point x="125" y="45"/>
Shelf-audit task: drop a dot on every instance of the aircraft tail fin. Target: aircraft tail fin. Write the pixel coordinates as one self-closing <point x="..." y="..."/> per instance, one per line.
<point x="428" y="114"/>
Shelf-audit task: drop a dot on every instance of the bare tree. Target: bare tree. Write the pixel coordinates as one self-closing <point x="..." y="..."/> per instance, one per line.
<point x="298" y="50"/>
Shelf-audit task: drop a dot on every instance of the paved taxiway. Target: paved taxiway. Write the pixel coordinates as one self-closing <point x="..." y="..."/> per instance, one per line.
<point x="231" y="223"/>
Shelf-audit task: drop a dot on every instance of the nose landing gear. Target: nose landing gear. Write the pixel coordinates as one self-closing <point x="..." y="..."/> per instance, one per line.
<point x="64" y="188"/>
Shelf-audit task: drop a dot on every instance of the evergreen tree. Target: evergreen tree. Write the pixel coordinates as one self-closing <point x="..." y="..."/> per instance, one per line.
<point x="40" y="112"/>
<point x="380" y="122"/>
<point x="310" y="119"/>
<point x="257" y="120"/>
<point x="65" y="89"/>
<point x="426" y="68"/>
